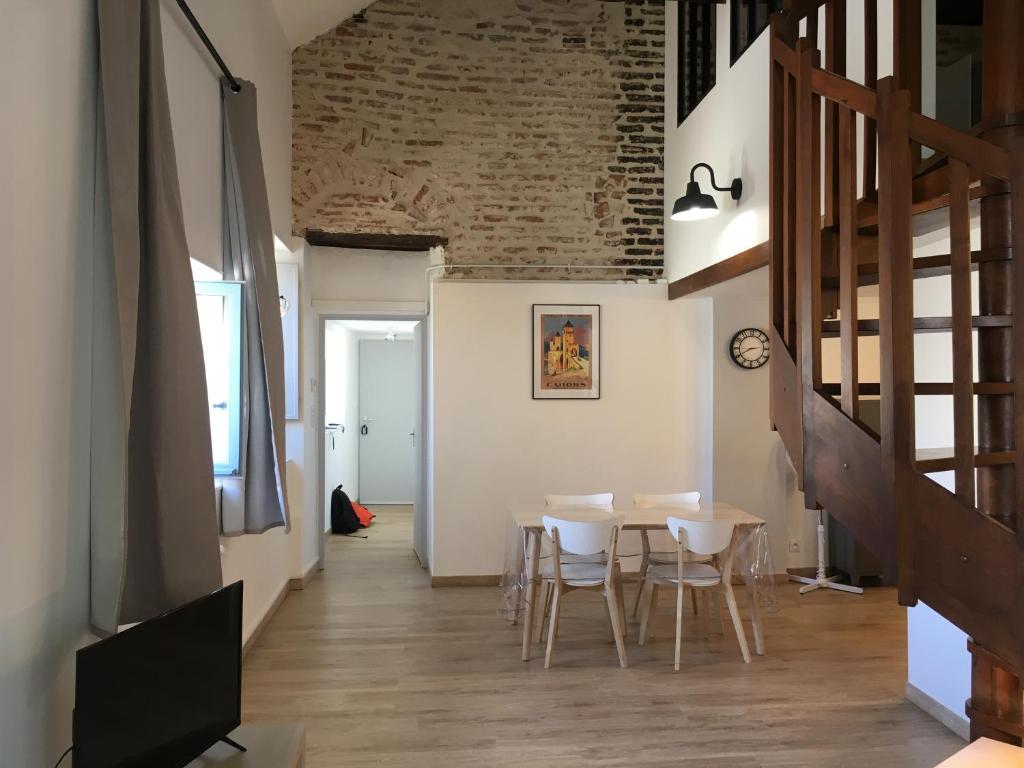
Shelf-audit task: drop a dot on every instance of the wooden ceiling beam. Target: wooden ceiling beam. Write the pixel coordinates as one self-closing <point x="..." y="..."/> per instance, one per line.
<point x="374" y="242"/>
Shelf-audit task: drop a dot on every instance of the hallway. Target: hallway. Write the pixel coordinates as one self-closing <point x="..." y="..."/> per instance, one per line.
<point x="386" y="671"/>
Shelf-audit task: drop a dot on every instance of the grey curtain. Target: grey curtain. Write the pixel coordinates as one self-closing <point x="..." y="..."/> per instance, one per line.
<point x="249" y="257"/>
<point x="161" y="548"/>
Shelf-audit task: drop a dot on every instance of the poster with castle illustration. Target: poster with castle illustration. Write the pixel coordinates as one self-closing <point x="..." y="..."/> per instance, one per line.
<point x="566" y="350"/>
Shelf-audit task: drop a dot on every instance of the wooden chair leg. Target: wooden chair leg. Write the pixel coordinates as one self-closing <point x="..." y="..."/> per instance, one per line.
<point x="643" y="581"/>
<point x="730" y="600"/>
<point x="645" y="614"/>
<point x="545" y="615"/>
<point x="679" y="622"/>
<point x="693" y="601"/>
<point x="620" y="599"/>
<point x="614" y="613"/>
<point x="705" y="619"/>
<point x="556" y="609"/>
<point x="718" y="612"/>
<point x="654" y="611"/>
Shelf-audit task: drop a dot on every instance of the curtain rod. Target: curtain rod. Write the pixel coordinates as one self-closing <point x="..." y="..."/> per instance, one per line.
<point x="235" y="86"/>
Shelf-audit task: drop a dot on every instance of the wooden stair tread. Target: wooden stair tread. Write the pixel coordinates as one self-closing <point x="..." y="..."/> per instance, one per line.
<point x="834" y="389"/>
<point x="924" y="266"/>
<point x="941" y="459"/>
<point x="830" y="328"/>
<point x="928" y="198"/>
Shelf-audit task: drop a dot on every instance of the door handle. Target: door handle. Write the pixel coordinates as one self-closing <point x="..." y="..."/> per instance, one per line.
<point x="413" y="436"/>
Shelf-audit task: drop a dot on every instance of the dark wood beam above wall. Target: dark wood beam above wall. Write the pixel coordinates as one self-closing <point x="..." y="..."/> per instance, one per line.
<point x="374" y="242"/>
<point x="727" y="269"/>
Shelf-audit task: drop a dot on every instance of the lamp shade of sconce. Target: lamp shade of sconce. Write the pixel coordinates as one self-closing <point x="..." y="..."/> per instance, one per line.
<point x="696" y="205"/>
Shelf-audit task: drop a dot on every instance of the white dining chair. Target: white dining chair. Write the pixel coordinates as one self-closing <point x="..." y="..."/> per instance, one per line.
<point x="661" y="556"/>
<point x="585" y="538"/>
<point x="554" y="501"/>
<point x="704" y="537"/>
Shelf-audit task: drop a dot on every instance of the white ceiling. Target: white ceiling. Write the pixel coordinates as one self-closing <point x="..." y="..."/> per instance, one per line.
<point x="302" y="20"/>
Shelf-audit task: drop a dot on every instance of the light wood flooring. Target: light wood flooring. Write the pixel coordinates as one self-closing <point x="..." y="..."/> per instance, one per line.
<point x="385" y="671"/>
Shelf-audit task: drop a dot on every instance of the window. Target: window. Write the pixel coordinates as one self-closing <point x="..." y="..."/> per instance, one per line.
<point x="220" y="321"/>
<point x="747" y="19"/>
<point x="696" y="57"/>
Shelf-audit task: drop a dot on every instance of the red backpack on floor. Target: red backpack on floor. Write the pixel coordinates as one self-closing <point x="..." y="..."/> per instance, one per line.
<point x="365" y="516"/>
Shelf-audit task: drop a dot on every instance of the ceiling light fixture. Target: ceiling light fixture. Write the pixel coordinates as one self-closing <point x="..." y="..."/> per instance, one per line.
<point x="696" y="205"/>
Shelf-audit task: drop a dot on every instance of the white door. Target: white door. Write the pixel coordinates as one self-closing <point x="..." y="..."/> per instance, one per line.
<point x="420" y="523"/>
<point x="387" y="422"/>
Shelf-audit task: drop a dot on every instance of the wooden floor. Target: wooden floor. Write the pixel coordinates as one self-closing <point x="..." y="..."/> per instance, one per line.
<point x="385" y="671"/>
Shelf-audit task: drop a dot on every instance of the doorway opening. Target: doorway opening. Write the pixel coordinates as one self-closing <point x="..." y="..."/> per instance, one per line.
<point x="372" y="396"/>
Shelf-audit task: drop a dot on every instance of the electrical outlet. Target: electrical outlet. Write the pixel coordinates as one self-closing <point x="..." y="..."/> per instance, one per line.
<point x="794" y="545"/>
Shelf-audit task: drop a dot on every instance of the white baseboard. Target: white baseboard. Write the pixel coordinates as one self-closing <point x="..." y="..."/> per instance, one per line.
<point x="300" y="582"/>
<point x="957" y="724"/>
<point x="265" y="617"/>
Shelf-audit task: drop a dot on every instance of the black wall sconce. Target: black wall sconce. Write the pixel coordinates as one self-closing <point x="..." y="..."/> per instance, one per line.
<point x="695" y="204"/>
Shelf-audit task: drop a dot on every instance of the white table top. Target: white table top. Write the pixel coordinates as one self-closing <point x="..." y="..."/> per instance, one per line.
<point x="530" y="516"/>
<point x="985" y="753"/>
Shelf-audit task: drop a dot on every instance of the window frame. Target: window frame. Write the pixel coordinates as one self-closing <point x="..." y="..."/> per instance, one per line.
<point x="735" y="7"/>
<point x="231" y="292"/>
<point x="684" y="43"/>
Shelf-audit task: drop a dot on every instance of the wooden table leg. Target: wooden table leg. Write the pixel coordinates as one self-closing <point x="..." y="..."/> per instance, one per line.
<point x="755" y="616"/>
<point x="521" y="594"/>
<point x="533" y="569"/>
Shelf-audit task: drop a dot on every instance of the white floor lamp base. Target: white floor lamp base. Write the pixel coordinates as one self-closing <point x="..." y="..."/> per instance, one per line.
<point x="820" y="580"/>
<point x="824" y="582"/>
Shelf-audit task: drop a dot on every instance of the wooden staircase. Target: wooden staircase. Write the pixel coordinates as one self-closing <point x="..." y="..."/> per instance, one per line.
<point x="848" y="188"/>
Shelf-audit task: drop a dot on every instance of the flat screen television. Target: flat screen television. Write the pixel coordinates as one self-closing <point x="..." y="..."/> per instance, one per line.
<point x="163" y="692"/>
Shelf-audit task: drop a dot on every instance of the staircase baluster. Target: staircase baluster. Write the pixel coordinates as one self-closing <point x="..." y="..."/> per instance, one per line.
<point x="871" y="81"/>
<point x="1017" y="266"/>
<point x="808" y="241"/>
<point x="963" y="356"/>
<point x="896" y="322"/>
<point x="835" y="61"/>
<point x="847" y="189"/>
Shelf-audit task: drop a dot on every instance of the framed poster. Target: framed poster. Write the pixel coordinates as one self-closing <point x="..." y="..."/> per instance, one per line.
<point x="566" y="351"/>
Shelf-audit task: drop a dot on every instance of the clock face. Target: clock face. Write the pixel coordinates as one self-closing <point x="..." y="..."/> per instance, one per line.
<point x="749" y="348"/>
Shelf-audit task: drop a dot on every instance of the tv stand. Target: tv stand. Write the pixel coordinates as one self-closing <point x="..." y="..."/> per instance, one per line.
<point x="266" y="746"/>
<point x="232" y="743"/>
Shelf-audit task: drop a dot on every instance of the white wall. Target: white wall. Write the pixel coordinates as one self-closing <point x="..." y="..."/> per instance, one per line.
<point x="250" y="39"/>
<point x="341" y="406"/>
<point x="729" y="130"/>
<point x="751" y="467"/>
<point x="47" y="157"/>
<point x="495" y="446"/>
<point x="350" y="280"/>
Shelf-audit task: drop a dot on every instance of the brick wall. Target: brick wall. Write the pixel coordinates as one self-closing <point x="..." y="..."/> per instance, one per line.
<point x="525" y="131"/>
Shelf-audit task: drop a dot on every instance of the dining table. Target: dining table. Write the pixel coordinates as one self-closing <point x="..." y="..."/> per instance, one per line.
<point x="529" y="521"/>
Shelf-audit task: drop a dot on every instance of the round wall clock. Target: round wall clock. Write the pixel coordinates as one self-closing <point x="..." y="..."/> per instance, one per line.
<point x="749" y="348"/>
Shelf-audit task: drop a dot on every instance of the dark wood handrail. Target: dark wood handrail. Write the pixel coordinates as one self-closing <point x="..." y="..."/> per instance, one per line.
<point x="846" y="92"/>
<point x="983" y="155"/>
